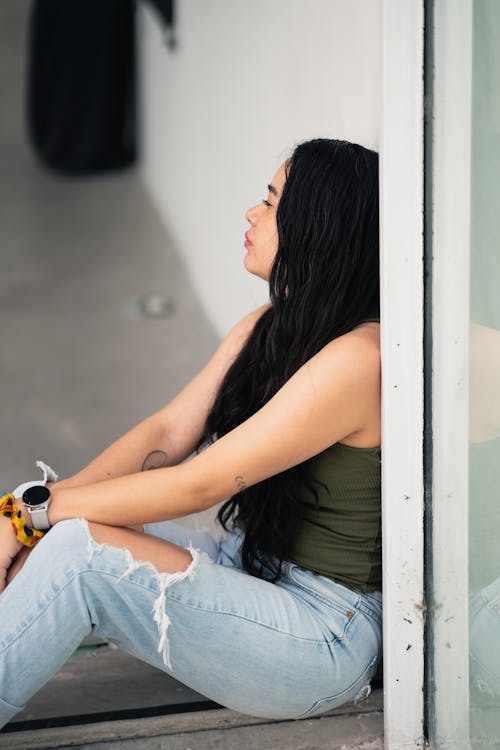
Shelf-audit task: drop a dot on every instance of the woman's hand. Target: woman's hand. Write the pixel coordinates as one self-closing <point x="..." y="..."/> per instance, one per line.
<point x="9" y="547"/>
<point x="18" y="563"/>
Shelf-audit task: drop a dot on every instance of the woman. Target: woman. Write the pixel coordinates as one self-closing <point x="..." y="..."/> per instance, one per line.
<point x="282" y="617"/>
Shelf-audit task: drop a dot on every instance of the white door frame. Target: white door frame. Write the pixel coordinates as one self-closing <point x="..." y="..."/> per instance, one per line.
<point x="402" y="308"/>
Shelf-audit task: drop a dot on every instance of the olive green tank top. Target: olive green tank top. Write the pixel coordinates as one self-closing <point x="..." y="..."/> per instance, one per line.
<point x="339" y="534"/>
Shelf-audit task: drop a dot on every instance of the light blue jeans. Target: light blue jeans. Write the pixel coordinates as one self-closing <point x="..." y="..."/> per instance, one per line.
<point x="287" y="650"/>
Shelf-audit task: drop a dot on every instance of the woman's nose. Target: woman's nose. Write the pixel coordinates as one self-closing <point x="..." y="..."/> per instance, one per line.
<point x="252" y="214"/>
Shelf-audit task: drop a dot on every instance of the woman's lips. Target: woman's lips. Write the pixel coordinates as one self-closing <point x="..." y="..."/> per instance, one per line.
<point x="247" y="241"/>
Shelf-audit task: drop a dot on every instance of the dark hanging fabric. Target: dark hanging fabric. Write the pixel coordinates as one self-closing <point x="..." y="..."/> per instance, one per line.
<point x="165" y="9"/>
<point x="80" y="93"/>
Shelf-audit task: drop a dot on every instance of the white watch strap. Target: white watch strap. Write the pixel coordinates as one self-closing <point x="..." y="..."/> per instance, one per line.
<point x="39" y="517"/>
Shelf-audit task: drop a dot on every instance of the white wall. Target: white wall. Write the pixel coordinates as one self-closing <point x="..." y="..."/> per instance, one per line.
<point x="249" y="79"/>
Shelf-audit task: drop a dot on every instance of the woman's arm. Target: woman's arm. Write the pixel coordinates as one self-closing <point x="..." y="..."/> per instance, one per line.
<point x="166" y="438"/>
<point x="332" y="396"/>
<point x="170" y="435"/>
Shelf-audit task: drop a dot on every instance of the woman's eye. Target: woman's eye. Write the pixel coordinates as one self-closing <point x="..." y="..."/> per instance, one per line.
<point x="266" y="202"/>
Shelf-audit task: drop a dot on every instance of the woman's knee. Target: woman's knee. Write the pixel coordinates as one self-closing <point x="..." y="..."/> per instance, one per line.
<point x="67" y="540"/>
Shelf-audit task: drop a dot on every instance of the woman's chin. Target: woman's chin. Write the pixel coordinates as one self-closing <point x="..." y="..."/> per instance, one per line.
<point x="249" y="265"/>
<point x="255" y="269"/>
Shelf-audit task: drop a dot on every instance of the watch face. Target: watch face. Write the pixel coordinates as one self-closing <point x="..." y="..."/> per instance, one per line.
<point x="36" y="495"/>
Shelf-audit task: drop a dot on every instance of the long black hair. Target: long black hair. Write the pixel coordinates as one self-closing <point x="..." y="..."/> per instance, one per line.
<point x="324" y="281"/>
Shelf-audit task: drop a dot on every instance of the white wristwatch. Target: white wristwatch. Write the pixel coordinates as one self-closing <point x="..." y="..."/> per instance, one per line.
<point x="36" y="496"/>
<point x="36" y="500"/>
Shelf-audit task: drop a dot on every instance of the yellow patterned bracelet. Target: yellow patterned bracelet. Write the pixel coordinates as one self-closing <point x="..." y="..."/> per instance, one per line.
<point x="26" y="535"/>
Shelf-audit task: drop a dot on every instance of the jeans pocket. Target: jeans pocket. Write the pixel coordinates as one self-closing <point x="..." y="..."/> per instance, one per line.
<point x="345" y="601"/>
<point x="358" y="687"/>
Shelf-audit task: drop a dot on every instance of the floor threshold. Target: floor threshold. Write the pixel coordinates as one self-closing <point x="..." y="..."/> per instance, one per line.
<point x="351" y="726"/>
<point x="115" y="715"/>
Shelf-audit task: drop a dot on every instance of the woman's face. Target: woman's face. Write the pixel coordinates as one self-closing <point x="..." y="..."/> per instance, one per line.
<point x="261" y="240"/>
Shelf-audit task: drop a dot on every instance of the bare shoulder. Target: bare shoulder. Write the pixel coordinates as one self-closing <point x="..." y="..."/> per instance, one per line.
<point x="239" y="333"/>
<point x="358" y="350"/>
<point x="354" y="360"/>
<point x="248" y="321"/>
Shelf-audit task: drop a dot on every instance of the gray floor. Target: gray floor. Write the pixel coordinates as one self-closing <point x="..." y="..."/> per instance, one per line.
<point x="80" y="365"/>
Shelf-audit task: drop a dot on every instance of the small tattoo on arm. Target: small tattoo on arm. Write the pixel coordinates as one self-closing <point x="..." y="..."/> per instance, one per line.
<point x="155" y="460"/>
<point x="240" y="483"/>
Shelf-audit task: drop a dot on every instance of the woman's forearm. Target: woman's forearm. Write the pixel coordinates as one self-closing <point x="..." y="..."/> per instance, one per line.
<point x="138" y="498"/>
<point x="142" y="448"/>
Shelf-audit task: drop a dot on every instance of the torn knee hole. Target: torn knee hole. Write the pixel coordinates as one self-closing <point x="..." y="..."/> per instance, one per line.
<point x="164" y="581"/>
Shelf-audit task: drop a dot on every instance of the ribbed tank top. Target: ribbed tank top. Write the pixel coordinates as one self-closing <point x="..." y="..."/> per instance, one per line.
<point x="339" y="534"/>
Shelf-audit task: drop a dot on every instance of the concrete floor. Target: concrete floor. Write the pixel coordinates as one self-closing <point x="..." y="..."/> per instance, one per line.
<point x="80" y="366"/>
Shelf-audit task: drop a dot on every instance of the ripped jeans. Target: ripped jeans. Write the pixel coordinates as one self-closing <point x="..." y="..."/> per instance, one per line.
<point x="287" y="650"/>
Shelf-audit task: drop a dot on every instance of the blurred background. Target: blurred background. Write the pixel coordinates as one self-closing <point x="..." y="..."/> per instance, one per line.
<point x="133" y="138"/>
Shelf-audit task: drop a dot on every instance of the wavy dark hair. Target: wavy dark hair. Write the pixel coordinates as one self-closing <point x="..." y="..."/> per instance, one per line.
<point x="324" y="281"/>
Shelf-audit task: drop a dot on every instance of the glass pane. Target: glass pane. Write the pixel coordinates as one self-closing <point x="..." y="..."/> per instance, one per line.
<point x="463" y="374"/>
<point x="484" y="426"/>
<point x="448" y="193"/>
